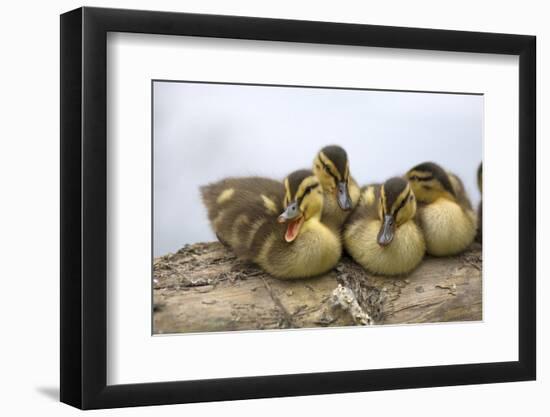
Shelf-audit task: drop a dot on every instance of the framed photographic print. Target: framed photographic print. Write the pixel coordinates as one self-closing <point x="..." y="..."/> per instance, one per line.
<point x="257" y="207"/>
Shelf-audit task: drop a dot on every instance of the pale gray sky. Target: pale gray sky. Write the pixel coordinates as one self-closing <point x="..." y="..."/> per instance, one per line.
<point x="205" y="132"/>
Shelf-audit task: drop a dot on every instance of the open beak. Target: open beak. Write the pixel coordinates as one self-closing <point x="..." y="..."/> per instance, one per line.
<point x="385" y="236"/>
<point x="343" y="197"/>
<point x="294" y="218"/>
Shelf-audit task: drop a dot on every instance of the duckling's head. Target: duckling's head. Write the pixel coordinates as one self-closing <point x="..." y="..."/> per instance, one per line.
<point x="331" y="166"/>
<point x="397" y="206"/>
<point x="303" y="202"/>
<point x="480" y="177"/>
<point x="430" y="182"/>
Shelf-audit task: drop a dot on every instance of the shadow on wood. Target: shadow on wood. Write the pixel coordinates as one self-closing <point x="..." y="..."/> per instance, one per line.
<point x="204" y="287"/>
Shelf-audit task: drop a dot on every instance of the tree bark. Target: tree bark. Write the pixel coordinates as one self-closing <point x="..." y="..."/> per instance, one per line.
<point x="204" y="287"/>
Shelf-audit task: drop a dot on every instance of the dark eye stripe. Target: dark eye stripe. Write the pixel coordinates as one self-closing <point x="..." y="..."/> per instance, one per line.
<point x="442" y="179"/>
<point x="308" y="189"/>
<point x="327" y="168"/>
<point x="306" y="192"/>
<point x="402" y="204"/>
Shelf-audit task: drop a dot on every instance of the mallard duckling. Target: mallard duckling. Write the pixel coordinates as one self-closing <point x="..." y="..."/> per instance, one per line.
<point x="479" y="236"/>
<point x="341" y="193"/>
<point x="222" y="197"/>
<point x="444" y="210"/>
<point x="382" y="234"/>
<point x="277" y="226"/>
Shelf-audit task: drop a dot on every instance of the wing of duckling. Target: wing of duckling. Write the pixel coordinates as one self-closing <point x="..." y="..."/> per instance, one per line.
<point x="370" y="195"/>
<point x="243" y="211"/>
<point x="368" y="204"/>
<point x="354" y="191"/>
<point x="460" y="191"/>
<point x="220" y="195"/>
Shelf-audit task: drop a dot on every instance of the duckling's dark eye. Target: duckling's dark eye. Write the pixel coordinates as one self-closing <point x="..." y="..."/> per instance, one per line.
<point x="306" y="192"/>
<point x="326" y="169"/>
<point x="414" y="177"/>
<point x="308" y="189"/>
<point x="411" y="198"/>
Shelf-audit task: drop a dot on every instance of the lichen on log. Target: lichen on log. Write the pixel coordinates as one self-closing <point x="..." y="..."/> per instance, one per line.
<point x="203" y="287"/>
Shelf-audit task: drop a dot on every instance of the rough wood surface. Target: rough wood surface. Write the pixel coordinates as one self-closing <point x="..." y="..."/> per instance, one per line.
<point x="204" y="287"/>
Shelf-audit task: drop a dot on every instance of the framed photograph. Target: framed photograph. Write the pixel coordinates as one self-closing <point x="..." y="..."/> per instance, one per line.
<point x="256" y="208"/>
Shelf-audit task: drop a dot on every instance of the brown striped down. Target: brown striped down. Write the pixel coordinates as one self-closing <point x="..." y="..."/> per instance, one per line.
<point x="248" y="215"/>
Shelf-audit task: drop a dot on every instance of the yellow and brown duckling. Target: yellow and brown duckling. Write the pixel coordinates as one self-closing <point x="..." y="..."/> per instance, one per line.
<point x="479" y="236"/>
<point x="224" y="198"/>
<point x="382" y="234"/>
<point x="277" y="226"/>
<point x="444" y="210"/>
<point x="341" y="193"/>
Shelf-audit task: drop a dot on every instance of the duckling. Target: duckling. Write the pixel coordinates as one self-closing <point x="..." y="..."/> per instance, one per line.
<point x="341" y="192"/>
<point x="382" y="234"/>
<point x="479" y="236"/>
<point x="221" y="197"/>
<point x="445" y="212"/>
<point x="275" y="225"/>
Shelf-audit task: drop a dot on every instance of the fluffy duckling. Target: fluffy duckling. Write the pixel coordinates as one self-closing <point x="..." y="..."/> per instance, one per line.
<point x="258" y="193"/>
<point x="341" y="193"/>
<point x="277" y="226"/>
<point x="479" y="236"/>
<point x="382" y="234"/>
<point x="444" y="210"/>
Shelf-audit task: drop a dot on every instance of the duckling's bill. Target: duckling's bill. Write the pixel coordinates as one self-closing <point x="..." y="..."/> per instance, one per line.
<point x="343" y="197"/>
<point x="387" y="230"/>
<point x="294" y="218"/>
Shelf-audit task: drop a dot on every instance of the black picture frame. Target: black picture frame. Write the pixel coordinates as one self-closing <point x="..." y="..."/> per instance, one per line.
<point x="84" y="207"/>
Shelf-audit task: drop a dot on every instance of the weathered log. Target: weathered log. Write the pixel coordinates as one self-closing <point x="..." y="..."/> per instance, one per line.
<point x="204" y="287"/>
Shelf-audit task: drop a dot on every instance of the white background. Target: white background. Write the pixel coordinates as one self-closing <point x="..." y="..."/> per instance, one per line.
<point x="29" y="213"/>
<point x="133" y="60"/>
